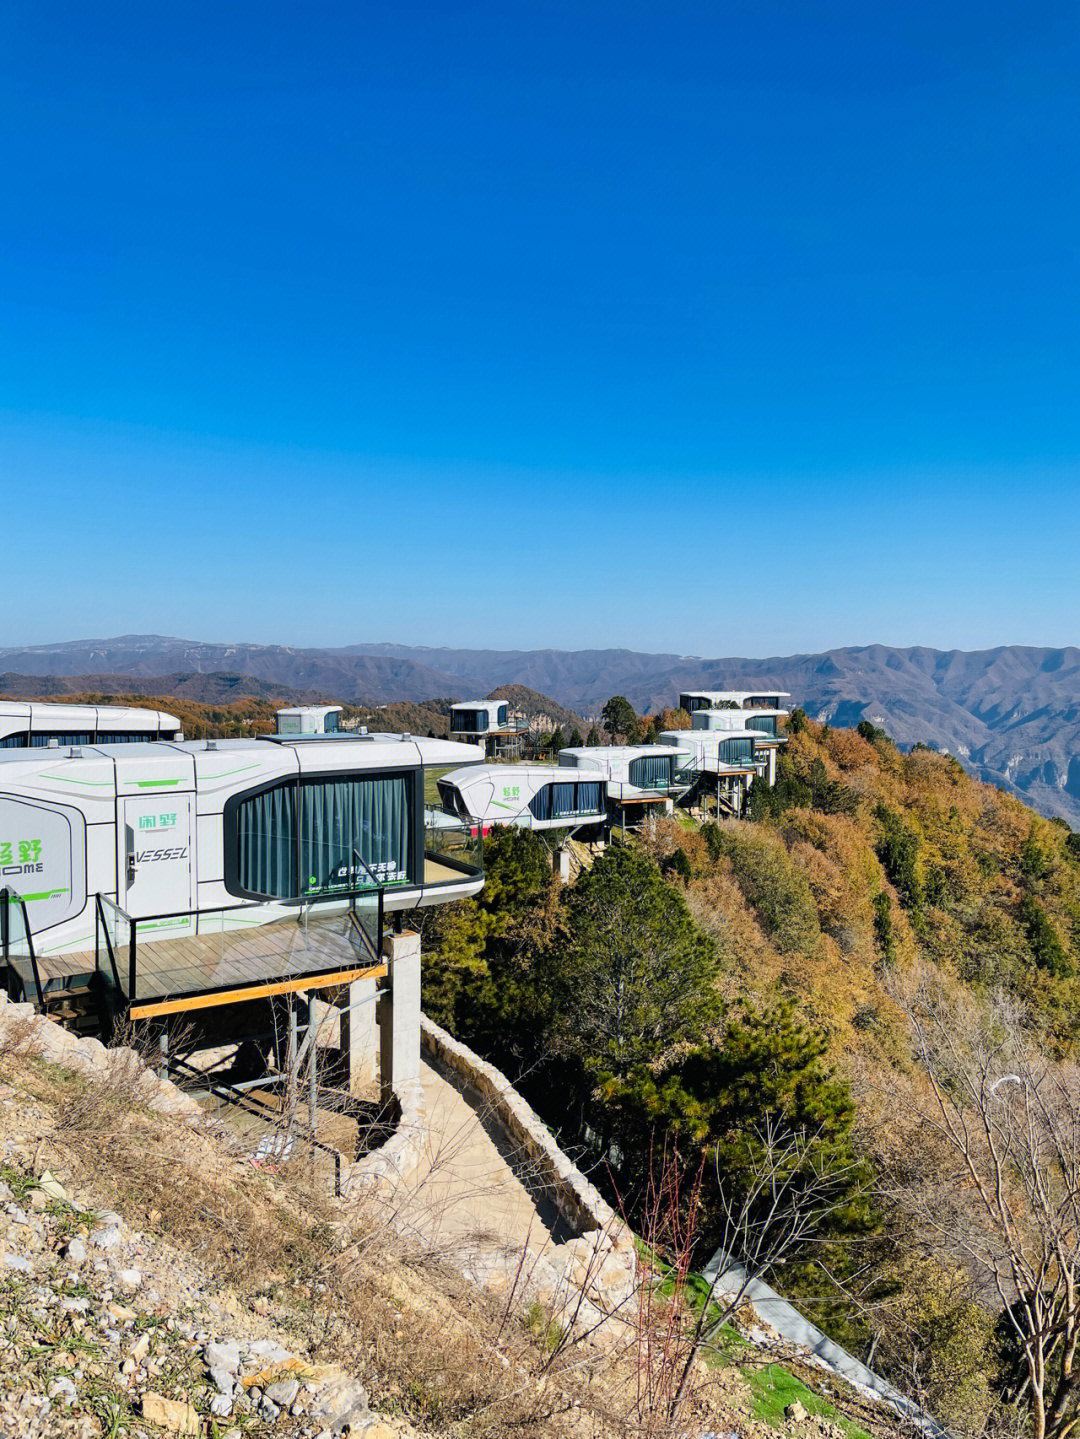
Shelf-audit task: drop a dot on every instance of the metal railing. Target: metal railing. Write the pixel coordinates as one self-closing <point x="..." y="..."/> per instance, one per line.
<point x="510" y="726"/>
<point x="105" y="965"/>
<point x="199" y="969"/>
<point x="278" y="1134"/>
<point x="17" y="947"/>
<point x="623" y="790"/>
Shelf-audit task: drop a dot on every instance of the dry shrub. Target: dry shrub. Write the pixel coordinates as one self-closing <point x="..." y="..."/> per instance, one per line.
<point x="19" y="1036"/>
<point x="750" y="963"/>
<point x="661" y="835"/>
<point x="341" y="1278"/>
<point x="848" y="750"/>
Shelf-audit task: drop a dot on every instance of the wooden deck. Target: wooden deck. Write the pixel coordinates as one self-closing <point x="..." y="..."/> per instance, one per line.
<point x="221" y="967"/>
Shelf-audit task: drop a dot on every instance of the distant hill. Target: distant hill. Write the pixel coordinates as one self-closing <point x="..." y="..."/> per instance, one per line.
<point x="1011" y="714"/>
<point x="545" y="712"/>
<point x="349" y="676"/>
<point x="402" y="717"/>
<point x="109" y="689"/>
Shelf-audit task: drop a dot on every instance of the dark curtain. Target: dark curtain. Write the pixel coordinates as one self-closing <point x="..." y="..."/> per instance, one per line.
<point x="338" y="817"/>
<point x="651" y="771"/>
<point x="266" y="829"/>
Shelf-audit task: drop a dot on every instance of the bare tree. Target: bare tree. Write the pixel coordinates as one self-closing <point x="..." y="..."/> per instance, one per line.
<point x="1002" y="1122"/>
<point x="780" y="1206"/>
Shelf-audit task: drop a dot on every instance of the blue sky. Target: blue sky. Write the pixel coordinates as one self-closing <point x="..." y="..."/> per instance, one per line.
<point x="737" y="328"/>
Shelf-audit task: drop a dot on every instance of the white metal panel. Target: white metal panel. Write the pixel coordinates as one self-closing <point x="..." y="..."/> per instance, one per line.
<point x="101" y="858"/>
<point x="151" y="769"/>
<point x="63" y="717"/>
<point x="43" y="857"/>
<point x="14" y="718"/>
<point x="210" y="847"/>
<point x="87" y="782"/>
<point x="127" y="717"/>
<point x="233" y="767"/>
<point x="156" y="841"/>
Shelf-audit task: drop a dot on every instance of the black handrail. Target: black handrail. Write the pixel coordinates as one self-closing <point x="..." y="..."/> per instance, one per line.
<point x="8" y="898"/>
<point x="294" y="900"/>
<point x="135" y="921"/>
<point x="365" y="938"/>
<point x="362" y="862"/>
<point x="372" y="946"/>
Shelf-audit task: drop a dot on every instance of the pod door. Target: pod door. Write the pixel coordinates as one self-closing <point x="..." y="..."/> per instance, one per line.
<point x="157" y="872"/>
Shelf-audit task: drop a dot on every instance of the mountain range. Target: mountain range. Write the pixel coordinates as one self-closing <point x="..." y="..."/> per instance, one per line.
<point x="1010" y="714"/>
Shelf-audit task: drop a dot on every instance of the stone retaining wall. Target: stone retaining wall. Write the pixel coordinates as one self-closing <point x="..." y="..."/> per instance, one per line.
<point x="24" y="1030"/>
<point x="398" y="1157"/>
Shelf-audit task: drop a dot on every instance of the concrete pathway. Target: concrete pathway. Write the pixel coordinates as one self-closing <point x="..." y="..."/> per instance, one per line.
<point x="472" y="1191"/>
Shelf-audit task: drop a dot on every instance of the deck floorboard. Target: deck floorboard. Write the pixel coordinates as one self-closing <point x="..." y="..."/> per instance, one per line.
<point x="193" y="964"/>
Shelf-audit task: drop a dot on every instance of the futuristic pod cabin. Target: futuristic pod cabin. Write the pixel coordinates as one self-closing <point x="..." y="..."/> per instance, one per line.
<point x="41" y="726"/>
<point x="529" y="796"/>
<point x="186" y="826"/>
<point x="181" y="842"/>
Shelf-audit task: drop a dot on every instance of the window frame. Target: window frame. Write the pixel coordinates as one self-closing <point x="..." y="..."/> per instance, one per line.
<point x="230" y="838"/>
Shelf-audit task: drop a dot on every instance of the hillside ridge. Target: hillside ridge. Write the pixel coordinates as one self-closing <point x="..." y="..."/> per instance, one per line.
<point x="1011" y="713"/>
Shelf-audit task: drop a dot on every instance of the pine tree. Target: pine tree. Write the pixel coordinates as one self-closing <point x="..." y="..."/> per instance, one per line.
<point x="461" y="940"/>
<point x="620" y="719"/>
<point x="636" y="975"/>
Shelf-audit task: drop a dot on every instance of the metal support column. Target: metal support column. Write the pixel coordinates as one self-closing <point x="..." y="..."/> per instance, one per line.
<point x="290" y="1059"/>
<point x="313" y="1073"/>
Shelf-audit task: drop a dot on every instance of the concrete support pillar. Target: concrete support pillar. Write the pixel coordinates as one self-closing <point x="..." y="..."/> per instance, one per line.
<point x="562" y="862"/>
<point x="359" y="1038"/>
<point x="399" y="1013"/>
<point x="325" y="1017"/>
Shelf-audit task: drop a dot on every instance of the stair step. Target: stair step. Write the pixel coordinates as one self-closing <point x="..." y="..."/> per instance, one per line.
<point x="71" y="1003"/>
<point x="73" y="1017"/>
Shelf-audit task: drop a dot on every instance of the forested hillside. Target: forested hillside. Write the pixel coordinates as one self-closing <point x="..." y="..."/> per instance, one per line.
<point x="837" y="990"/>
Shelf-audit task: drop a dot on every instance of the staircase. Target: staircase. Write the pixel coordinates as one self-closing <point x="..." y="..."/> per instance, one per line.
<point x="725" y="807"/>
<point x="79" y="1004"/>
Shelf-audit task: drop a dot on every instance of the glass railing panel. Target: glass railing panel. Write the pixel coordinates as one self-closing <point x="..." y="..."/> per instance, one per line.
<point x="335" y="867"/>
<point x="366" y="934"/>
<point x="115" y="939"/>
<point x="18" y="949"/>
<point x="457" y="844"/>
<point x="106" y="959"/>
<point x="232" y="947"/>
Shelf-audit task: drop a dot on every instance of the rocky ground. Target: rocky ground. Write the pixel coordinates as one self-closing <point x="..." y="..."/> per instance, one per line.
<point x="105" y="1329"/>
<point x="153" y="1283"/>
